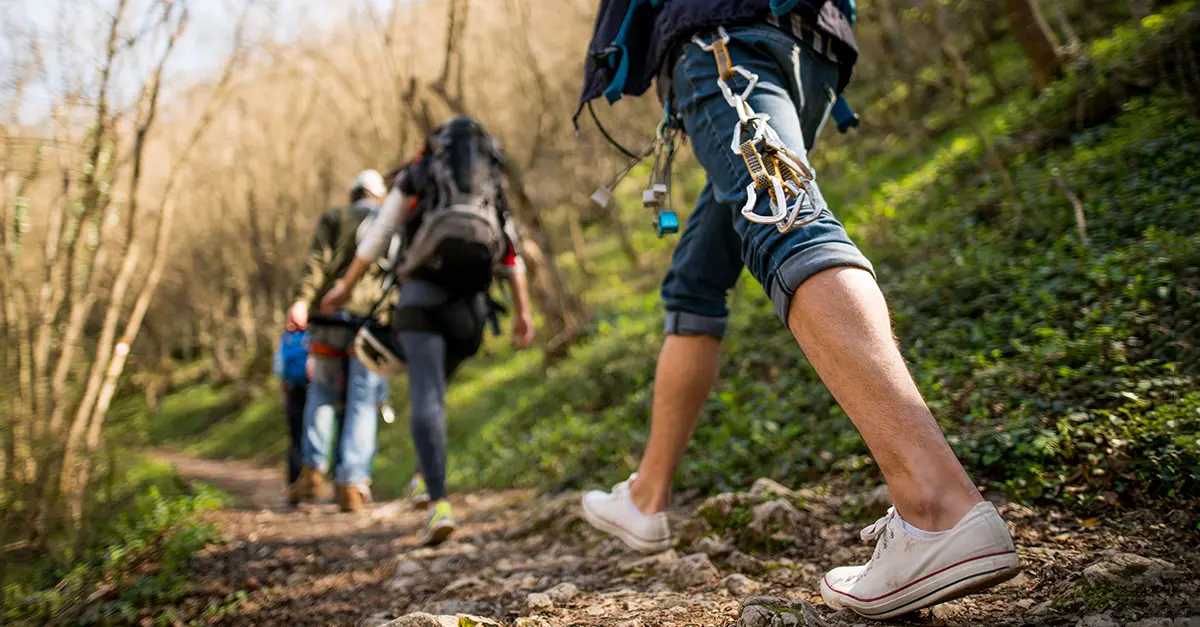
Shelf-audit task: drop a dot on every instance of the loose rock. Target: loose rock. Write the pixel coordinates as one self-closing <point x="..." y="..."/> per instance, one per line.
<point x="777" y="612"/>
<point x="1125" y="569"/>
<point x="740" y="585"/>
<point x="744" y="563"/>
<point x="421" y="619"/>
<point x="407" y="568"/>
<point x="563" y="592"/>
<point x="460" y="584"/>
<point x="1098" y="620"/>
<point x="711" y="546"/>
<point x="658" y="561"/>
<point x="775" y="517"/>
<point x="721" y="505"/>
<point x="764" y="488"/>
<point x="538" y="602"/>
<point x="693" y="529"/>
<point x="693" y="570"/>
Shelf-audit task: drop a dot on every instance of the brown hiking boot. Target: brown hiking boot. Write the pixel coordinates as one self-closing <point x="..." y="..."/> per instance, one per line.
<point x="306" y="486"/>
<point x="351" y="498"/>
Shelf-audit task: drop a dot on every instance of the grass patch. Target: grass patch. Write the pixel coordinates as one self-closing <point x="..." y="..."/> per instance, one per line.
<point x="138" y="561"/>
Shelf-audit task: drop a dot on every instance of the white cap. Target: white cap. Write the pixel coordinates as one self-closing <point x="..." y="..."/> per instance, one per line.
<point x="369" y="181"/>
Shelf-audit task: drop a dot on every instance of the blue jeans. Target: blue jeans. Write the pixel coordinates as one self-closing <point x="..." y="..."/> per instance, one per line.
<point x="795" y="89"/>
<point x="356" y="444"/>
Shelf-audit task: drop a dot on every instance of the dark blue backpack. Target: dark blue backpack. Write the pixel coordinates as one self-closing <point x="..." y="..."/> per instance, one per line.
<point x="293" y="352"/>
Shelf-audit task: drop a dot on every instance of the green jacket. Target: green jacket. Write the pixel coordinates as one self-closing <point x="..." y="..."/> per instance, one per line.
<point x="330" y="255"/>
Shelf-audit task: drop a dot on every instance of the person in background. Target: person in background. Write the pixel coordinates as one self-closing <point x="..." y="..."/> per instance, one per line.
<point x="354" y="391"/>
<point x="450" y="203"/>
<point x="289" y="366"/>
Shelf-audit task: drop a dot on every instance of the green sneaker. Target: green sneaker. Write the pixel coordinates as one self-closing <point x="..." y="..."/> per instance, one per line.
<point x="418" y="496"/>
<point x="441" y="524"/>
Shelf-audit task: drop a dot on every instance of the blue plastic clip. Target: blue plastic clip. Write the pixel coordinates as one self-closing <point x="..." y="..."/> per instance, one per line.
<point x="666" y="223"/>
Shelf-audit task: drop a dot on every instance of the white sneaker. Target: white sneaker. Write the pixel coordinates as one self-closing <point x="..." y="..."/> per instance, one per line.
<point x="907" y="573"/>
<point x="614" y="513"/>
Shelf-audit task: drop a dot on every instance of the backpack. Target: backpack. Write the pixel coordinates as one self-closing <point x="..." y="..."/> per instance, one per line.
<point x="293" y="353"/>
<point x="456" y="237"/>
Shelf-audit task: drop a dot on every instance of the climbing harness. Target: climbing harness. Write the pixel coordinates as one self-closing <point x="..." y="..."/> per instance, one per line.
<point x="773" y="166"/>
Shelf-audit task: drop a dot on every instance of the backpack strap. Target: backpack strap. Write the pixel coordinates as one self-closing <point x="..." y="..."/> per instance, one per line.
<point x="616" y="55"/>
<point x="849" y="8"/>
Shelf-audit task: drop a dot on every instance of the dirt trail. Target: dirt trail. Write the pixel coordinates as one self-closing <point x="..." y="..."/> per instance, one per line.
<point x="316" y="566"/>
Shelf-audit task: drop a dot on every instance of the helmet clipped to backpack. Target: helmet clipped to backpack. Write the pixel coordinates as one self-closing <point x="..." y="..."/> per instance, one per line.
<point x="376" y="347"/>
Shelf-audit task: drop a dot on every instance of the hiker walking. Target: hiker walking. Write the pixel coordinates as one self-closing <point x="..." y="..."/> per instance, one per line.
<point x="751" y="84"/>
<point x="340" y="385"/>
<point x="450" y="205"/>
<point x="288" y="364"/>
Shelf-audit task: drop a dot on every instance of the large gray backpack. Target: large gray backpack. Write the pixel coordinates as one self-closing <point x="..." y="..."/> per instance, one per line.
<point x="456" y="238"/>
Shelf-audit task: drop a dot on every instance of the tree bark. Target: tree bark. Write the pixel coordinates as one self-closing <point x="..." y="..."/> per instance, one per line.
<point x="132" y="327"/>
<point x="579" y="245"/>
<point x="1029" y="27"/>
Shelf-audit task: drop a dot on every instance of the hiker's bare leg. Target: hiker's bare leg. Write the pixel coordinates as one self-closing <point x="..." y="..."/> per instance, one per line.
<point x="841" y="320"/>
<point x="687" y="371"/>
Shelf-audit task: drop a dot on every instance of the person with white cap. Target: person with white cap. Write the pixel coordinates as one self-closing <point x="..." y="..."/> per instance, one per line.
<point x="340" y="385"/>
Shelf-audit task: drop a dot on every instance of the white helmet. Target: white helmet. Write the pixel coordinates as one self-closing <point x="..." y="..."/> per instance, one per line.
<point x="376" y="347"/>
<point x="369" y="181"/>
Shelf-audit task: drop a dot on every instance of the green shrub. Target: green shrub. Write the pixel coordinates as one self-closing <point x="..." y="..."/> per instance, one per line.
<point x="143" y="564"/>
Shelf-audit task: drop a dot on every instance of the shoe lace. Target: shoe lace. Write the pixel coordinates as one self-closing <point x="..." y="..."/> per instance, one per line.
<point x="876" y="529"/>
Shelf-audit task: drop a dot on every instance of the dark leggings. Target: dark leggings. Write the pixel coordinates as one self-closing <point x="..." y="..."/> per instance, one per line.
<point x="293" y="403"/>
<point x="426" y="357"/>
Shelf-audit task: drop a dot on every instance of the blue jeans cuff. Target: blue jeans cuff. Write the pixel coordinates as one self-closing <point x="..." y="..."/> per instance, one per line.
<point x="687" y="323"/>
<point x="807" y="263"/>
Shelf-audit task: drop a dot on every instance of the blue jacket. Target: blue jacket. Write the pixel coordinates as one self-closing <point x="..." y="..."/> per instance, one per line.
<point x="653" y="32"/>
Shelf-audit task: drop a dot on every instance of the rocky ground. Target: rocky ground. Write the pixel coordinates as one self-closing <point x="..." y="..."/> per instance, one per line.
<point x="747" y="559"/>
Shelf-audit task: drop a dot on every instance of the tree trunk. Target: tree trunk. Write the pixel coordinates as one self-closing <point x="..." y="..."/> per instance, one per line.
<point x="1029" y="27"/>
<point x="123" y="348"/>
<point x="579" y="245"/>
<point x="104" y="351"/>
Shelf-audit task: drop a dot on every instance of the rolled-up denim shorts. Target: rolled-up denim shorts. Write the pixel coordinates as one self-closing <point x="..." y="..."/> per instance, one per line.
<point x="795" y="88"/>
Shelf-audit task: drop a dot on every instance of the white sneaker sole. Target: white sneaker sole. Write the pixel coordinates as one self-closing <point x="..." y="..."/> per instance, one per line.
<point x="420" y="502"/>
<point x="624" y="535"/>
<point x="945" y="585"/>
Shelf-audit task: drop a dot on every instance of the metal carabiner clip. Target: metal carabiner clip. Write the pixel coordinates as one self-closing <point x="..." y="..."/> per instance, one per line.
<point x="760" y="131"/>
<point x="707" y="47"/>
<point x="778" y="208"/>
<point x="738" y="102"/>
